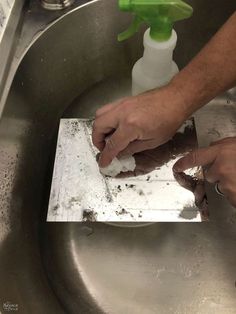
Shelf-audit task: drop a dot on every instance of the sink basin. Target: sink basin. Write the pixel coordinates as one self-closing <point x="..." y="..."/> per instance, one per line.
<point x="71" y="69"/>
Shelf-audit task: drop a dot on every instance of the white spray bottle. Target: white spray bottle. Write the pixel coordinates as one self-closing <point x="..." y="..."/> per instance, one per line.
<point x="156" y="68"/>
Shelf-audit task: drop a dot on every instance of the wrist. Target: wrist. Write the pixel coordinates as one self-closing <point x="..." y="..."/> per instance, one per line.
<point x="172" y="101"/>
<point x="184" y="99"/>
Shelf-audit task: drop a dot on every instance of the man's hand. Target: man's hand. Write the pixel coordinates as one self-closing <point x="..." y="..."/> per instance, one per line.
<point x="220" y="159"/>
<point x="138" y="123"/>
<point x="151" y="119"/>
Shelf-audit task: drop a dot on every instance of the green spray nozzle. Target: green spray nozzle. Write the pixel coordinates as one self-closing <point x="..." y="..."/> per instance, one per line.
<point x="160" y="15"/>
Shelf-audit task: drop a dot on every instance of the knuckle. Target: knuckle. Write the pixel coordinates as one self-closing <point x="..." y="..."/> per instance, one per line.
<point x="97" y="113"/>
<point x="131" y="121"/>
<point x="110" y="144"/>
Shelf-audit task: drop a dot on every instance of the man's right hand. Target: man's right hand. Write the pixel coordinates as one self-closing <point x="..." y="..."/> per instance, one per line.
<point x="149" y="120"/>
<point x="138" y="123"/>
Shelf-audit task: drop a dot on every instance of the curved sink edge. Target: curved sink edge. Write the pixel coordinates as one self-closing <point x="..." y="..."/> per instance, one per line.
<point x="16" y="61"/>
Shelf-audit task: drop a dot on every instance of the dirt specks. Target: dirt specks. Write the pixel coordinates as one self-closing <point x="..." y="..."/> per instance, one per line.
<point x="140" y="215"/>
<point x="130" y="186"/>
<point x="140" y="192"/>
<point x="89" y="215"/>
<point x="121" y="212"/>
<point x="55" y="208"/>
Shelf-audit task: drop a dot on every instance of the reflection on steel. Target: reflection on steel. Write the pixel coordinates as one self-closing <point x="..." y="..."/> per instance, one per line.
<point x="56" y="4"/>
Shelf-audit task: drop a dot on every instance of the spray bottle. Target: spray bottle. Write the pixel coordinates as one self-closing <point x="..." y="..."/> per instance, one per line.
<point x="156" y="68"/>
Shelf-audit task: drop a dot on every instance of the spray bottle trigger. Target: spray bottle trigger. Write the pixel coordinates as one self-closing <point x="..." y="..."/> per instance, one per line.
<point x="134" y="27"/>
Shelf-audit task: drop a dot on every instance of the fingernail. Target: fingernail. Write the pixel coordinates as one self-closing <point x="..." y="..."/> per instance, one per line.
<point x="103" y="163"/>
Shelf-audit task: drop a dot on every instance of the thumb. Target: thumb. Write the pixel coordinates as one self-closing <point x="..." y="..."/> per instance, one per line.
<point x="200" y="157"/>
<point x="117" y="142"/>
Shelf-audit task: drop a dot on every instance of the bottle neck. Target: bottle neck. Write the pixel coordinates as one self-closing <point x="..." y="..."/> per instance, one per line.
<point x="158" y="56"/>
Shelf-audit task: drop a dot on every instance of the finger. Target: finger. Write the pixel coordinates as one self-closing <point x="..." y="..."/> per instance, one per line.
<point x="98" y="137"/>
<point x="103" y="126"/>
<point x="223" y="141"/>
<point x="200" y="157"/>
<point x="119" y="140"/>
<point x="138" y="146"/>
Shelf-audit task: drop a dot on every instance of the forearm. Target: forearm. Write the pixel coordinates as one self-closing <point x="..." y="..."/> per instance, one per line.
<point x="211" y="72"/>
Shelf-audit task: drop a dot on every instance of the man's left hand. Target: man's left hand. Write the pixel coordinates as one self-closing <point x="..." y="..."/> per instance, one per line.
<point x="220" y="161"/>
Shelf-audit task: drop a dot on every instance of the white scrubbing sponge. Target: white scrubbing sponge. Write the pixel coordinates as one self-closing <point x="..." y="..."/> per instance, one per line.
<point x="123" y="164"/>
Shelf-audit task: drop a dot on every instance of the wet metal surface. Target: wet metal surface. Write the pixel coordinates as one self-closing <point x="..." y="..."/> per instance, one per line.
<point x="150" y="193"/>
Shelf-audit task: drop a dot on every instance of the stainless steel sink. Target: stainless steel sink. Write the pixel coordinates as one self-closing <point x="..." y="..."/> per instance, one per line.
<point x="74" y="66"/>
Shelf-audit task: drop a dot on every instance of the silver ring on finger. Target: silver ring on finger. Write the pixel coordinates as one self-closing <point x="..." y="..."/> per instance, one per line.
<point x="218" y="191"/>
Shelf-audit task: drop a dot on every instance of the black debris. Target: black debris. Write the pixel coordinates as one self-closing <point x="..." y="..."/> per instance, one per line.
<point x="89" y="215"/>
